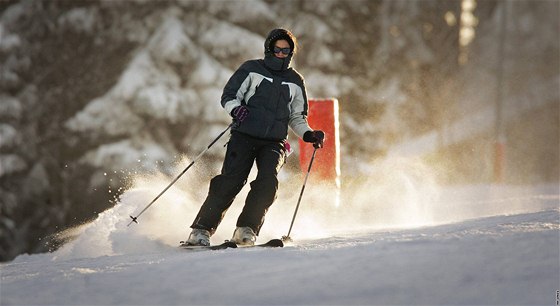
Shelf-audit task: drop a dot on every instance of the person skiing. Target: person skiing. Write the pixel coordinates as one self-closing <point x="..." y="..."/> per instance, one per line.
<point x="264" y="97"/>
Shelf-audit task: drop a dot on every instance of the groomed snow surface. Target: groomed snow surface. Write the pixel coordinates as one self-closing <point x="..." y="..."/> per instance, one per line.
<point x="490" y="257"/>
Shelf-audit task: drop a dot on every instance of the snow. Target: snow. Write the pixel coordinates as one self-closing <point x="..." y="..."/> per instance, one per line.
<point x="9" y="41"/>
<point x="8" y="135"/>
<point x="170" y="40"/>
<point x="480" y="244"/>
<point x="11" y="163"/>
<point x="221" y="39"/>
<point x="241" y="11"/>
<point x="95" y="117"/>
<point x="322" y="83"/>
<point x="111" y="153"/>
<point x="80" y="19"/>
<point x="10" y="106"/>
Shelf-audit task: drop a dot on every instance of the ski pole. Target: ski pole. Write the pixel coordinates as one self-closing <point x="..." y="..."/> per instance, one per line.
<point x="135" y="219"/>
<point x="287" y="237"/>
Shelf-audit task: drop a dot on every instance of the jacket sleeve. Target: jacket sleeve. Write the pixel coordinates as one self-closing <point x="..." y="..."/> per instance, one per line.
<point x="298" y="115"/>
<point x="235" y="89"/>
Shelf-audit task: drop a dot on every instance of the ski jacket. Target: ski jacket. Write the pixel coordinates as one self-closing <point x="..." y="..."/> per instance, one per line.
<point x="275" y="99"/>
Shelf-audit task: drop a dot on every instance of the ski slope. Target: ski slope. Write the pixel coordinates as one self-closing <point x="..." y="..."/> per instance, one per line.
<point x="487" y="260"/>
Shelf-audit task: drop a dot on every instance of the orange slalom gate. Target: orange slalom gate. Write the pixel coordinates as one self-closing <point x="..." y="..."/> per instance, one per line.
<point x="323" y="115"/>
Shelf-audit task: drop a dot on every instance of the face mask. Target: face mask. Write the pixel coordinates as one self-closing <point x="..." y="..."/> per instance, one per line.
<point x="277" y="64"/>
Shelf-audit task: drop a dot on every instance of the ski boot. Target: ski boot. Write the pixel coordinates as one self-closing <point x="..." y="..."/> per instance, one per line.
<point x="244" y="236"/>
<point x="199" y="237"/>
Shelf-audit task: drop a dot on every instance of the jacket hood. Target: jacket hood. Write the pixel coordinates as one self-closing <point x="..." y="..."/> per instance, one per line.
<point x="271" y="61"/>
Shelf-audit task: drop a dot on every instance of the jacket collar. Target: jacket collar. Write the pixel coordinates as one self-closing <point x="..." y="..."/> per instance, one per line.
<point x="277" y="64"/>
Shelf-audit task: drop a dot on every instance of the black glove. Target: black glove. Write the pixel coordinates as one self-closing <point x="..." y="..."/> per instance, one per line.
<point x="240" y="113"/>
<point x="316" y="137"/>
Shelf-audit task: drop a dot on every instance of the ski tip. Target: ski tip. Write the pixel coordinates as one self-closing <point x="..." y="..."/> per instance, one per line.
<point x="276" y="243"/>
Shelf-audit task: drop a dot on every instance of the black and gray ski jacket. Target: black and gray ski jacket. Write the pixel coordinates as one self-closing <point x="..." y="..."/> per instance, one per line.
<point x="275" y="99"/>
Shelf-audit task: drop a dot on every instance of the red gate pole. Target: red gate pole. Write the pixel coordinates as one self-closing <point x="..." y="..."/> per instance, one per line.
<point x="323" y="115"/>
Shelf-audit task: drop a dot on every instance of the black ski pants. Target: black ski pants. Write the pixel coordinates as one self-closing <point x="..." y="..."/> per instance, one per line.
<point x="242" y="152"/>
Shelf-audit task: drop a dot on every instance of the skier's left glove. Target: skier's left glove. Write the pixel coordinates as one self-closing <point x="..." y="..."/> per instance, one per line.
<point x="316" y="137"/>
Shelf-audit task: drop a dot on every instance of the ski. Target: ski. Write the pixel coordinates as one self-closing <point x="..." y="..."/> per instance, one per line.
<point x="273" y="243"/>
<point x="223" y="246"/>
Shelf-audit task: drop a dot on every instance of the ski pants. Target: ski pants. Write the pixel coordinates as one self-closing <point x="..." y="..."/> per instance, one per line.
<point x="242" y="152"/>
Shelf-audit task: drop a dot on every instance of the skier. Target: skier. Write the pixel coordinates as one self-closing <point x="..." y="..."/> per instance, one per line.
<point x="264" y="97"/>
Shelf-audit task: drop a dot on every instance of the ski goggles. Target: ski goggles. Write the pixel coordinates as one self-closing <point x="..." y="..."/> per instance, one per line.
<point x="285" y="51"/>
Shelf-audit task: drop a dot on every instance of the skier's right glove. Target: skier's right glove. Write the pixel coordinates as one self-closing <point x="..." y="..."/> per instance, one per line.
<point x="239" y="113"/>
<point x="316" y="137"/>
